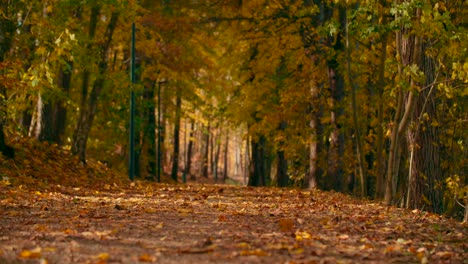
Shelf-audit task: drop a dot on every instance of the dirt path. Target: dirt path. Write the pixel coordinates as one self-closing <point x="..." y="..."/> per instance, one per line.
<point x="217" y="224"/>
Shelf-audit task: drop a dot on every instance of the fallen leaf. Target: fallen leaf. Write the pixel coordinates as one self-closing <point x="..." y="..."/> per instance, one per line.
<point x="243" y="245"/>
<point x="302" y="236"/>
<point x="343" y="237"/>
<point x="103" y="256"/>
<point x="392" y="249"/>
<point x="286" y="224"/>
<point x="31" y="254"/>
<point x="444" y="254"/>
<point x="146" y="258"/>
<point x="256" y="252"/>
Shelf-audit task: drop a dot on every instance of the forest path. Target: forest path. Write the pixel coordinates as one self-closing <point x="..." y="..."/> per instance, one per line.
<point x="217" y="224"/>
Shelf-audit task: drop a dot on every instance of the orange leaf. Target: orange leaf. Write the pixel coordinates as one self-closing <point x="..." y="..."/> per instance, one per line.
<point x="31" y="254"/>
<point x="146" y="258"/>
<point x="256" y="252"/>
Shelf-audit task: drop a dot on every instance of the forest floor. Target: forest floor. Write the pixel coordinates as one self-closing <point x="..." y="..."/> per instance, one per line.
<point x="62" y="216"/>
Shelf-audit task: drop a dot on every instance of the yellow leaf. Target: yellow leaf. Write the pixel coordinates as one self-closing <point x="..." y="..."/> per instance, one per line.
<point x="103" y="256"/>
<point x="302" y="235"/>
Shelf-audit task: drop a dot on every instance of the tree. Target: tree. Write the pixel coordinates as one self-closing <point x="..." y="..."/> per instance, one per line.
<point x="90" y="99"/>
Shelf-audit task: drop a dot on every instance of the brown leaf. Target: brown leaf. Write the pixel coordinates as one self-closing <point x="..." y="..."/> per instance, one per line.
<point x="286" y="224"/>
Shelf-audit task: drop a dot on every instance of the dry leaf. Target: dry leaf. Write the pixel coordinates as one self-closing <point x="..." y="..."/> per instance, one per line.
<point x="286" y="224"/>
<point x="31" y="254"/>
<point x="256" y="252"/>
<point x="146" y="258"/>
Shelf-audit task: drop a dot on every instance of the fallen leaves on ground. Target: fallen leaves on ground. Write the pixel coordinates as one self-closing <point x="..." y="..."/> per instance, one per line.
<point x="200" y="224"/>
<point x="88" y="214"/>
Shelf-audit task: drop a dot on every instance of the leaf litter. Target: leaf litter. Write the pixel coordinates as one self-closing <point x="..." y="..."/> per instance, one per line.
<point x="78" y="214"/>
<point x="201" y="224"/>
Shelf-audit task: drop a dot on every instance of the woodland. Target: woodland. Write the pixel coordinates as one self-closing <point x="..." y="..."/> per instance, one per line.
<point x="349" y="111"/>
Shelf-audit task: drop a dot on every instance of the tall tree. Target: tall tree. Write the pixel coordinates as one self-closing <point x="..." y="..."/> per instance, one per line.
<point x="409" y="53"/>
<point x="90" y="100"/>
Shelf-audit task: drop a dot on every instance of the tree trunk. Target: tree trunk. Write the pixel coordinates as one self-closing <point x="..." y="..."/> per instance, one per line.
<point x="465" y="218"/>
<point x="217" y="144"/>
<point x="312" y="175"/>
<point x="336" y="139"/>
<point x="188" y="162"/>
<point x="60" y="115"/>
<point x="282" y="170"/>
<point x="282" y="164"/>
<point x="150" y="130"/>
<point x="380" y="118"/>
<point x="425" y="174"/>
<point x="258" y="165"/>
<point x="88" y="112"/>
<point x="160" y="152"/>
<point x="204" y="159"/>
<point x="247" y="161"/>
<point x="226" y="158"/>
<point x="357" y="130"/>
<point x="407" y="49"/>
<point x="175" y="156"/>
